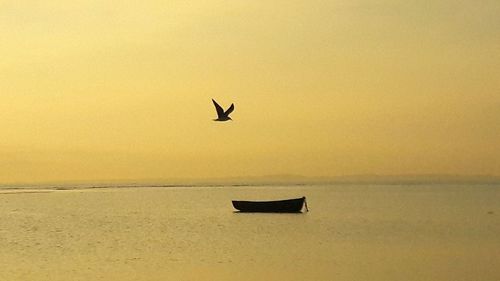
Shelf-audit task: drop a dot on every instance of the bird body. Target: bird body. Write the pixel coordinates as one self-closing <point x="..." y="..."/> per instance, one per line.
<point x="221" y="114"/>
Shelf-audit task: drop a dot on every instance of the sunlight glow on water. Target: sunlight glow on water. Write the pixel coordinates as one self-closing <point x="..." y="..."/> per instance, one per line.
<point x="352" y="232"/>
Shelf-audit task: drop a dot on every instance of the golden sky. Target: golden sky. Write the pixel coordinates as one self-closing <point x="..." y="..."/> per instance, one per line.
<point x="94" y="90"/>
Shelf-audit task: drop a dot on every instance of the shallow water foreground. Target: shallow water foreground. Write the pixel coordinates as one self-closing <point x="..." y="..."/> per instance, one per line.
<point x="418" y="232"/>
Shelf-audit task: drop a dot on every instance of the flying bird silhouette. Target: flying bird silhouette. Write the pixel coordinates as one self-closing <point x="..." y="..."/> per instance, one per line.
<point x="221" y="114"/>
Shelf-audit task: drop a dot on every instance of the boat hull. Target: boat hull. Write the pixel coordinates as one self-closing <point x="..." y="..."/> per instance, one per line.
<point x="276" y="206"/>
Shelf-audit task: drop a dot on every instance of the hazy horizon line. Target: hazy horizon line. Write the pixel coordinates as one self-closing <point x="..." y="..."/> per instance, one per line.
<point x="271" y="179"/>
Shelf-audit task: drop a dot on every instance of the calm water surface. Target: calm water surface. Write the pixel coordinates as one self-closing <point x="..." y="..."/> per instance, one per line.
<point x="352" y="232"/>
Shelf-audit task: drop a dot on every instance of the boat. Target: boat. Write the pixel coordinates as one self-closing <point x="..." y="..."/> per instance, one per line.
<point x="277" y="206"/>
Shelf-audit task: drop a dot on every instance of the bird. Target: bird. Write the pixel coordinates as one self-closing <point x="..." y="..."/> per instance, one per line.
<point x="221" y="114"/>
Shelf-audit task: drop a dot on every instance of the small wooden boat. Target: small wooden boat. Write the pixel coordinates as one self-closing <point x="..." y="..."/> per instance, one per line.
<point x="276" y="206"/>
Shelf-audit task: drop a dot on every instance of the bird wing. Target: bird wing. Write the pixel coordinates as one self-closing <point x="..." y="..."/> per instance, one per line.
<point x="229" y="110"/>
<point x="220" y="111"/>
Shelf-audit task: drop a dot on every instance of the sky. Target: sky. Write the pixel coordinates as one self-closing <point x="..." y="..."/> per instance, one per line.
<point x="95" y="90"/>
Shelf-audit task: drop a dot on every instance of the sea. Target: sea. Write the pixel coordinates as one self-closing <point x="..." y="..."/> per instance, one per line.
<point x="350" y="232"/>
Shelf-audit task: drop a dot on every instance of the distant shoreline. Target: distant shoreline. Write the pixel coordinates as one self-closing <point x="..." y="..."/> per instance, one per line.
<point x="260" y="181"/>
